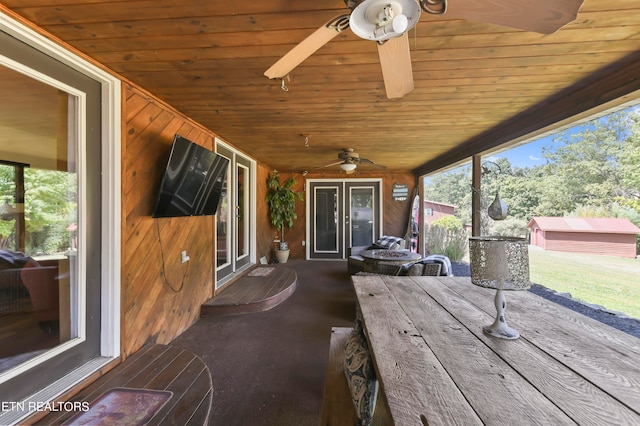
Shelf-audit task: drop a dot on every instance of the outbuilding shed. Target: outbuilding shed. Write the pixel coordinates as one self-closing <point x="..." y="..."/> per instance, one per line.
<point x="607" y="236"/>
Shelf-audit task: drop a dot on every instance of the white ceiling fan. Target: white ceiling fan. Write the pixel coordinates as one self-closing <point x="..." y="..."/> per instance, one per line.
<point x="348" y="161"/>
<point x="387" y="21"/>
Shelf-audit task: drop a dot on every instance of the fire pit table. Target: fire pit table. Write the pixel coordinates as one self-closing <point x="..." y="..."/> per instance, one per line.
<point x="398" y="257"/>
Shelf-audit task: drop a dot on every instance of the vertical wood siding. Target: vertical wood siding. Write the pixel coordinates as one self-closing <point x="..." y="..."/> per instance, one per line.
<point x="151" y="310"/>
<point x="395" y="213"/>
<point x="265" y="232"/>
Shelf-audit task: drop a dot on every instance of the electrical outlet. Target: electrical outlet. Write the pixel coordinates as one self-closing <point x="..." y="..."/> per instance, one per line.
<point x="304" y="243"/>
<point x="185" y="258"/>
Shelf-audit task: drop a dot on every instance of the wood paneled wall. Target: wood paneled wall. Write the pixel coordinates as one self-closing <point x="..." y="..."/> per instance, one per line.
<point x="161" y="297"/>
<point x="264" y="231"/>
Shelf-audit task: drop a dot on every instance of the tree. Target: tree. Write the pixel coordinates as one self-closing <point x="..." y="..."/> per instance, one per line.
<point x="584" y="167"/>
<point x="452" y="187"/>
<point x="49" y="207"/>
<point x="629" y="164"/>
<point x="590" y="170"/>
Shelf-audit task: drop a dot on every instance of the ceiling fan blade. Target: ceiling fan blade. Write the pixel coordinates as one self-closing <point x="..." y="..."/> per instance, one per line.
<point x="307" y="47"/>
<point x="540" y="16"/>
<point x="395" y="60"/>
<point x="373" y="163"/>
<point x="328" y="165"/>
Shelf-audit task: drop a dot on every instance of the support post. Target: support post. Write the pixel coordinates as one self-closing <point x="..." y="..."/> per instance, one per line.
<point x="476" y="200"/>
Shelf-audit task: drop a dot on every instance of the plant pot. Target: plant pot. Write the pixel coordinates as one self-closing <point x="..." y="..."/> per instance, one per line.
<point x="282" y="255"/>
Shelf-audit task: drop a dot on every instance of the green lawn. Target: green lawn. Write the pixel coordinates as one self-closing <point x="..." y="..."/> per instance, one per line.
<point x="612" y="282"/>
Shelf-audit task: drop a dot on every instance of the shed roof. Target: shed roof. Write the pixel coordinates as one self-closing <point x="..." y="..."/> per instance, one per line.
<point x="440" y="204"/>
<point x="585" y="224"/>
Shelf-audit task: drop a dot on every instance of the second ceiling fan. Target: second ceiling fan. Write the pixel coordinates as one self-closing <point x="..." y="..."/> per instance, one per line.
<point x="387" y="21"/>
<point x="348" y="159"/>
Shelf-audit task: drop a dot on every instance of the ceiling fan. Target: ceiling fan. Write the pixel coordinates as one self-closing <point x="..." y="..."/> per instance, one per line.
<point x="387" y="22"/>
<point x="349" y="160"/>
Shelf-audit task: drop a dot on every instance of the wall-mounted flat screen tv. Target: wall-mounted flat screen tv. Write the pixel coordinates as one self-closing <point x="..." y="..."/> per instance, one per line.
<point x="193" y="181"/>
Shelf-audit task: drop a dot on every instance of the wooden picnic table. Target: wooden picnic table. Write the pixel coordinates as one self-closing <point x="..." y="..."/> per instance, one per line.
<point x="436" y="366"/>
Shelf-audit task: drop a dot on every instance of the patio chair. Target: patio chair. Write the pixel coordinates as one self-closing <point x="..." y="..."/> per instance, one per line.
<point x="355" y="262"/>
<point x="431" y="269"/>
<point x="442" y="260"/>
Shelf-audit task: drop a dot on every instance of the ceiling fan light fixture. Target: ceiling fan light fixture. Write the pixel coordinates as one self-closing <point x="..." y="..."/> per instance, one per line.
<point x="397" y="26"/>
<point x="382" y="20"/>
<point x="348" y="167"/>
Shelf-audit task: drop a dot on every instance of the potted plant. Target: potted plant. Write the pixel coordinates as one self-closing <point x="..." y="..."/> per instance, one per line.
<point x="281" y="200"/>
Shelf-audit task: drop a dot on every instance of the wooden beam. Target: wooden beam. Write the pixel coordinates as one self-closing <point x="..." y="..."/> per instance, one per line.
<point x="613" y="86"/>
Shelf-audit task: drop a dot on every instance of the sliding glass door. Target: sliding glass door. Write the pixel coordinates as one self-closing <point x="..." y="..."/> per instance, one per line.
<point x="50" y="219"/>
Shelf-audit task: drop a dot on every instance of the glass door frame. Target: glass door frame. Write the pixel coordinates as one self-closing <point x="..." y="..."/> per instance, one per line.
<point x="343" y="221"/>
<point x="313" y="251"/>
<point x="110" y="221"/>
<point x="376" y="195"/>
<point x="237" y="262"/>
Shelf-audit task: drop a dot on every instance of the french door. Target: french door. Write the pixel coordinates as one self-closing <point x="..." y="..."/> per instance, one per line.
<point x="234" y="220"/>
<point x="342" y="213"/>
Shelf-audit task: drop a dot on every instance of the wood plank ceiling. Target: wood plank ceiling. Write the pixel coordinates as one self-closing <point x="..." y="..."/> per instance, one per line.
<point x="207" y="59"/>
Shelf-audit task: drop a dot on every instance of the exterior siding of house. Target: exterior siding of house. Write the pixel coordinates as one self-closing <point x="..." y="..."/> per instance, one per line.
<point x="595" y="237"/>
<point x="620" y="245"/>
<point x="437" y="210"/>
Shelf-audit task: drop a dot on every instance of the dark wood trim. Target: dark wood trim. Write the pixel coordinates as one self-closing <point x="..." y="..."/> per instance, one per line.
<point x="613" y="86"/>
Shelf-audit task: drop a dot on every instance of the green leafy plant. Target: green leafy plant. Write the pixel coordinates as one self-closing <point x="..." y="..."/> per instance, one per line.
<point x="447" y="236"/>
<point x="281" y="200"/>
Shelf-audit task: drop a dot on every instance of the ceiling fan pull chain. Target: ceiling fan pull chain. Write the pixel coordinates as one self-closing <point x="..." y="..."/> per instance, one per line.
<point x="284" y="86"/>
<point x="440" y="6"/>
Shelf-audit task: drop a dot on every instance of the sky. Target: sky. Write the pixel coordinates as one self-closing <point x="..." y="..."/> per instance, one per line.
<point x="530" y="154"/>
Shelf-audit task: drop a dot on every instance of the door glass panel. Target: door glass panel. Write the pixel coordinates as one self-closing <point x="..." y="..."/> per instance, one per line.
<point x="38" y="218"/>
<point x="222" y="221"/>
<point x="241" y="213"/>
<point x="233" y="230"/>
<point x="362" y="216"/>
<point x="326" y="224"/>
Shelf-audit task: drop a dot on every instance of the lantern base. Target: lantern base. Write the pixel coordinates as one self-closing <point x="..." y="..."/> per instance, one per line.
<point x="499" y="328"/>
<point x="502" y="331"/>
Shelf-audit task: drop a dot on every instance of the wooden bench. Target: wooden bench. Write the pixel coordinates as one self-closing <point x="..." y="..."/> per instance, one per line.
<point x="157" y="368"/>
<point x="337" y="407"/>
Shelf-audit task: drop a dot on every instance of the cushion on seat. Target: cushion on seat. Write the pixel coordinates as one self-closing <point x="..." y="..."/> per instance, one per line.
<point x="361" y="376"/>
<point x="387" y="242"/>
<point x="444" y="261"/>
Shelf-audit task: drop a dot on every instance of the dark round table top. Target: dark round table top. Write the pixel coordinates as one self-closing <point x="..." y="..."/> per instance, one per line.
<point x="392" y="255"/>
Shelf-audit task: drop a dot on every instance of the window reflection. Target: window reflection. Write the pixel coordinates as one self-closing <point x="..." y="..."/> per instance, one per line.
<point x="222" y="244"/>
<point x="38" y="217"/>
